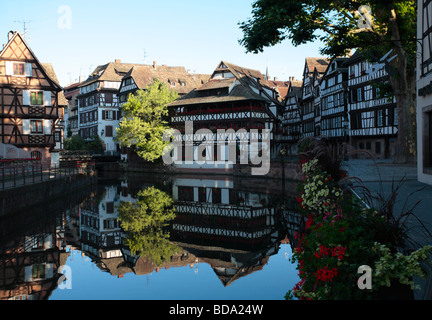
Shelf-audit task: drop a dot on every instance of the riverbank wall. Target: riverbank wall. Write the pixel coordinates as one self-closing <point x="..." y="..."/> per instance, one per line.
<point x="20" y="198"/>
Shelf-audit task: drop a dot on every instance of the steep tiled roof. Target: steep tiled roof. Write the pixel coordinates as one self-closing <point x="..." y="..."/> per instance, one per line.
<point x="184" y="82"/>
<point x="51" y="73"/>
<point x="319" y="63"/>
<point x="238" y="93"/>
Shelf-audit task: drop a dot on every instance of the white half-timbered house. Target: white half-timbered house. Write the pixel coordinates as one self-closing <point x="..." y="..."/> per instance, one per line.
<point x="333" y="109"/>
<point x="291" y="118"/>
<point x="98" y="111"/>
<point x="309" y="110"/>
<point x="372" y="116"/>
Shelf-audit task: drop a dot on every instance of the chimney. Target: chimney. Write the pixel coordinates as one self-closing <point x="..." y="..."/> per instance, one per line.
<point x="11" y="34"/>
<point x="275" y="79"/>
<point x="154" y="65"/>
<point x="117" y="61"/>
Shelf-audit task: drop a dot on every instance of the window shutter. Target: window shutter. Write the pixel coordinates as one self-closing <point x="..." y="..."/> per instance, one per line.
<point x="28" y="69"/>
<point x="47" y="126"/>
<point x="103" y="115"/>
<point x="26" y="97"/>
<point x="47" y="98"/>
<point x="26" y="126"/>
<point x="119" y="115"/>
<point x="9" y="68"/>
<point x="114" y="115"/>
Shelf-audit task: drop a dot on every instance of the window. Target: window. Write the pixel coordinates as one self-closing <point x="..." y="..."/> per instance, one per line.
<point x="110" y="207"/>
<point x="185" y="193"/>
<point x="356" y="122"/>
<point x="36" y="98"/>
<point x="202" y="194"/>
<point x="36" y="126"/>
<point x="19" y="69"/>
<point x="38" y="271"/>
<point x="108" y="131"/>
<point x="108" y="97"/>
<point x="108" y="115"/>
<point x="380" y="118"/>
<point x="57" y="136"/>
<point x="36" y="155"/>
<point x="216" y="195"/>
<point x="359" y="94"/>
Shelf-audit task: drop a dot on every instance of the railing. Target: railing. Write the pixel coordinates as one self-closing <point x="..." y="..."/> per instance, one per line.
<point x="18" y="174"/>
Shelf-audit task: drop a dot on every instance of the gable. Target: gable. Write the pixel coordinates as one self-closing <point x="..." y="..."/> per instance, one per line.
<point x="16" y="51"/>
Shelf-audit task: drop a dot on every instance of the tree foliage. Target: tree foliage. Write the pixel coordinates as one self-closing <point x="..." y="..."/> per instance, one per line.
<point x="144" y="223"/>
<point x="375" y="29"/>
<point x="77" y="143"/>
<point x="145" y="120"/>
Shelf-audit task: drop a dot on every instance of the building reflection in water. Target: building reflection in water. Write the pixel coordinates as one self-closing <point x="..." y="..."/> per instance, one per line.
<point x="232" y="226"/>
<point x="33" y="248"/>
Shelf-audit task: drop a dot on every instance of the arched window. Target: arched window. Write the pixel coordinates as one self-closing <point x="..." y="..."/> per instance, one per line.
<point x="36" y="155"/>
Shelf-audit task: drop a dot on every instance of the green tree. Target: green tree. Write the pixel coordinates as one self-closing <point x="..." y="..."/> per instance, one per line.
<point x="145" y="120"/>
<point x="96" y="144"/>
<point x="383" y="25"/>
<point x="144" y="223"/>
<point x="75" y="143"/>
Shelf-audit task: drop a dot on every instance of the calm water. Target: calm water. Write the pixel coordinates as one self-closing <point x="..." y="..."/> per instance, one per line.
<point x="230" y="239"/>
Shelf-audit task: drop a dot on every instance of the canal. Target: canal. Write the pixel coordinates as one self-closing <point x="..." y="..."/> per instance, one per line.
<point x="203" y="238"/>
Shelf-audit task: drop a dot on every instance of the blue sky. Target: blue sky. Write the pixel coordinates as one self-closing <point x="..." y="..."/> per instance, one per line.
<point x="190" y="33"/>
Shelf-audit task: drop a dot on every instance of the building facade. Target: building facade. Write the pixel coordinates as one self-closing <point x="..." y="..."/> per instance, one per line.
<point x="310" y="98"/>
<point x="333" y="104"/>
<point x="234" y="98"/>
<point x="71" y="93"/>
<point x="291" y="118"/>
<point x="32" y="104"/>
<point x="424" y="92"/>
<point x="372" y="114"/>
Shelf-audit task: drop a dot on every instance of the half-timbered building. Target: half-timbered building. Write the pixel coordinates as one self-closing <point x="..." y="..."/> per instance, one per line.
<point x="291" y="118"/>
<point x="333" y="108"/>
<point x="424" y="91"/>
<point x="71" y="116"/>
<point x="31" y="104"/>
<point x="234" y="98"/>
<point x="372" y="114"/>
<point x="310" y="100"/>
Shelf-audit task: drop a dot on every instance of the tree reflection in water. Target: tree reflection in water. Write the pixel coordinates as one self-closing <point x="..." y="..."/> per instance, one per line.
<point x="144" y="223"/>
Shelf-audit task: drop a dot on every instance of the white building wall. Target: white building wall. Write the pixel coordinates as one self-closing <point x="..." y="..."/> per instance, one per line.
<point x="424" y="103"/>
